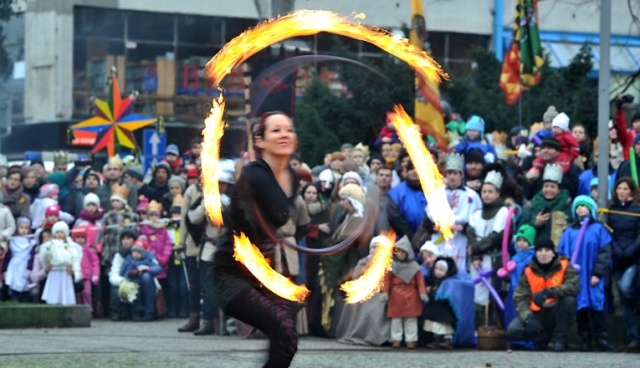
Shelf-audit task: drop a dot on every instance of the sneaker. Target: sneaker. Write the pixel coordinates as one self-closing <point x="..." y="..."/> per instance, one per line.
<point x="633" y="345"/>
<point x="148" y="317"/>
<point x="447" y="344"/>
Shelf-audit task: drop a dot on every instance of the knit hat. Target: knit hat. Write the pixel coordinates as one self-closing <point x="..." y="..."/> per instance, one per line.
<point x="128" y="232"/>
<point x="79" y="232"/>
<point x="179" y="180"/>
<point x="544" y="243"/>
<point x="528" y="233"/>
<point x="475" y="123"/>
<point x="561" y="121"/>
<point x="351" y="175"/>
<point x="192" y="173"/>
<point x="584" y="200"/>
<point x="53" y="210"/>
<point x="60" y="226"/>
<point x="88" y="173"/>
<point x="49" y="191"/>
<point x="442" y="263"/>
<point x="593" y="182"/>
<point x="23" y="220"/>
<point x="474" y="155"/>
<point x="172" y="149"/>
<point x="142" y="205"/>
<point x="165" y="166"/>
<point x="136" y="172"/>
<point x="550" y="113"/>
<point x="346" y="146"/>
<point x="551" y="143"/>
<point x="91" y="198"/>
<point x="141" y="245"/>
<point x="430" y="247"/>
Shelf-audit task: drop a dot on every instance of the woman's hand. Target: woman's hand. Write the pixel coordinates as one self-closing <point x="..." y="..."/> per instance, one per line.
<point x="542" y="219"/>
<point x="324" y="228"/>
<point x="594" y="280"/>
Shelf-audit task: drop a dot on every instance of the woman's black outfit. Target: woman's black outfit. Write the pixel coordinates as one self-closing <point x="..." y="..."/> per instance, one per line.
<point x="232" y="286"/>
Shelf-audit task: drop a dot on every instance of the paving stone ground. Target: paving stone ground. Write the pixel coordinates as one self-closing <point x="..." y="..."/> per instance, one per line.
<point x="158" y="344"/>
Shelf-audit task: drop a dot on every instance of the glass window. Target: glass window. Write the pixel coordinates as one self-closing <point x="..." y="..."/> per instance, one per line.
<point x="145" y="26"/>
<point x="98" y="22"/>
<point x="199" y="30"/>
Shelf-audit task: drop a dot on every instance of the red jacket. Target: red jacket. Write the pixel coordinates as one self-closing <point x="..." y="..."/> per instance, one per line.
<point x="404" y="299"/>
<point x="624" y="136"/>
<point x="569" y="144"/>
<point x="90" y="263"/>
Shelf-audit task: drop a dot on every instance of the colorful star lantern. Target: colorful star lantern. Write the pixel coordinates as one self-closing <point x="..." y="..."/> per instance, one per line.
<point x="113" y="125"/>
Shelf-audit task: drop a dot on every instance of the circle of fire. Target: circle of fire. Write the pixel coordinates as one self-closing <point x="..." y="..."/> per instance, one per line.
<point x="306" y="23"/>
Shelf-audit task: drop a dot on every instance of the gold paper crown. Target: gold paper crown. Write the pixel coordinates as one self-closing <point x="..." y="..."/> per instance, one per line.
<point x="552" y="173"/>
<point x="120" y="192"/>
<point x="363" y="148"/>
<point x="59" y="158"/>
<point x="154" y="206"/>
<point x="495" y="178"/>
<point x="116" y="160"/>
<point x="455" y="162"/>
<point x="177" y="201"/>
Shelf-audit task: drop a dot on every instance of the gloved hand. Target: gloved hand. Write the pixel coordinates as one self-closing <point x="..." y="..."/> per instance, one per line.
<point x="133" y="273"/>
<point x="95" y="279"/>
<point x="489" y="157"/>
<point x="424" y="298"/>
<point x="143" y="268"/>
<point x="384" y="297"/>
<point x="540" y="297"/>
<point x="523" y="152"/>
<point x="533" y="326"/>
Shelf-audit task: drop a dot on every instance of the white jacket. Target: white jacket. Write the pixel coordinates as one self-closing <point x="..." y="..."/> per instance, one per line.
<point x="61" y="254"/>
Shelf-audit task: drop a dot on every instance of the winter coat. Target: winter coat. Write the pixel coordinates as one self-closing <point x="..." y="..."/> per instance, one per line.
<point x="94" y="226"/>
<point x="480" y="144"/>
<point x="584" y="180"/>
<point x="16" y="274"/>
<point x="485" y="229"/>
<point x="404" y="298"/>
<point x="7" y="222"/>
<point x="561" y="203"/>
<point x="90" y="263"/>
<point x="114" y="272"/>
<point x="594" y="259"/>
<point x="411" y="203"/>
<point x="626" y="234"/>
<point x="160" y="244"/>
<point x="60" y="254"/>
<point x="111" y="235"/>
<point x="522" y="296"/>
<point x="190" y="195"/>
<point x="17" y="202"/>
<point x="149" y="260"/>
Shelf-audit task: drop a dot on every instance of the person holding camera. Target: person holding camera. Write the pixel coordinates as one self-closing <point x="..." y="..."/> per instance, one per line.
<point x="545" y="299"/>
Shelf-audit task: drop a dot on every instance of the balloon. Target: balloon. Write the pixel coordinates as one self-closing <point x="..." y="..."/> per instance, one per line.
<point x="507" y="266"/>
<point x="574" y="256"/>
<point x="482" y="277"/>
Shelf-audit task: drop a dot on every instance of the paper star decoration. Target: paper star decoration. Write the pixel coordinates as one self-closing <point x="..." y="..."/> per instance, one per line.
<point x="114" y="123"/>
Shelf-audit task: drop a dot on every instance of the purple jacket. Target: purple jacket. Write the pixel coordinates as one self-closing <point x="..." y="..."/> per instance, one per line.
<point x="160" y="244"/>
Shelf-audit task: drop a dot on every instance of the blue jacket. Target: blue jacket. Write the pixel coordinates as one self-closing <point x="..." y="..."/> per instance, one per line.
<point x="149" y="260"/>
<point x="626" y="234"/>
<point x="594" y="259"/>
<point x="412" y="204"/>
<point x="584" y="181"/>
<point x="459" y="291"/>
<point x="467" y="145"/>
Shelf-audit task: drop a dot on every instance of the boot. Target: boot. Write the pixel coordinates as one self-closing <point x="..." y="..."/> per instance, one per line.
<point x="633" y="345"/>
<point x="191" y="325"/>
<point x="603" y="344"/>
<point x="585" y="341"/>
<point x="447" y="343"/>
<point x="437" y="340"/>
<point x="148" y="317"/>
<point x="206" y="328"/>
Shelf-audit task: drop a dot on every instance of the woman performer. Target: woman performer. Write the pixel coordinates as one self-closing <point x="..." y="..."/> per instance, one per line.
<point x="266" y="185"/>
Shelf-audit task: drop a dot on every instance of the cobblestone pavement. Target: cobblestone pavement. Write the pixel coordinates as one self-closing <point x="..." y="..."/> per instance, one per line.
<point x="158" y="344"/>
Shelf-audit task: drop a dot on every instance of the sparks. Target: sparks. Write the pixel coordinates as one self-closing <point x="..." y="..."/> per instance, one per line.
<point x="430" y="177"/>
<point x="367" y="285"/>
<point x="250" y="256"/>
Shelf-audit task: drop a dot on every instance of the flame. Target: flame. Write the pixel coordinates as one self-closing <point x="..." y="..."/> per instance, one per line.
<point x="367" y="285"/>
<point x="250" y="256"/>
<point x="213" y="131"/>
<point x="430" y="177"/>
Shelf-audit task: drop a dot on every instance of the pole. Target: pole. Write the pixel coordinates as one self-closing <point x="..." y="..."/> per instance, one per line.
<point x="603" y="102"/>
<point x="498" y="19"/>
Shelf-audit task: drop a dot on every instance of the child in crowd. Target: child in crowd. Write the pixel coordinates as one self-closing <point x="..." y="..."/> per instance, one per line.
<point x="37" y="274"/>
<point x="90" y="265"/>
<point x="439" y="316"/>
<point x="154" y="229"/>
<point x="60" y="258"/>
<point x="594" y="258"/>
<point x="48" y="197"/>
<point x="176" y="187"/>
<point x="91" y="217"/>
<point x="177" y="293"/>
<point x="404" y="290"/>
<point x="569" y="147"/>
<point x="547" y="130"/>
<point x="141" y="209"/>
<point x="473" y="139"/>
<point x="141" y="267"/>
<point x="388" y="134"/>
<point x="127" y="237"/>
<point x="525" y="238"/>
<point x="484" y="231"/>
<point x="17" y="274"/>
<point x="120" y="215"/>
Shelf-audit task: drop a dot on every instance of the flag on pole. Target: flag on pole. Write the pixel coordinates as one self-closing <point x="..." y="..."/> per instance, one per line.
<point x="524" y="59"/>
<point x="428" y="112"/>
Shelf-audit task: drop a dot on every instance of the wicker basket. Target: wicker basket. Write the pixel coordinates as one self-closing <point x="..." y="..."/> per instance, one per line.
<point x="491" y="337"/>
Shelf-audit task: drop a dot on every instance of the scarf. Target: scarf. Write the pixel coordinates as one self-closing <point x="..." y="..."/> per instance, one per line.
<point x="405" y="270"/>
<point x="556" y="204"/>
<point x="315" y="208"/>
<point x="489" y="210"/>
<point x="92" y="217"/>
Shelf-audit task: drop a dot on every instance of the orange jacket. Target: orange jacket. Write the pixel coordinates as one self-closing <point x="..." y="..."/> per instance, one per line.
<point x="538" y="283"/>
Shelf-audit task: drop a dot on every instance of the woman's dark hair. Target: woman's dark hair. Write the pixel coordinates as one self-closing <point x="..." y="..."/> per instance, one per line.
<point x="304" y="189"/>
<point x="635" y="192"/>
<point x="41" y="235"/>
<point x="586" y="136"/>
<point x="261" y="126"/>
